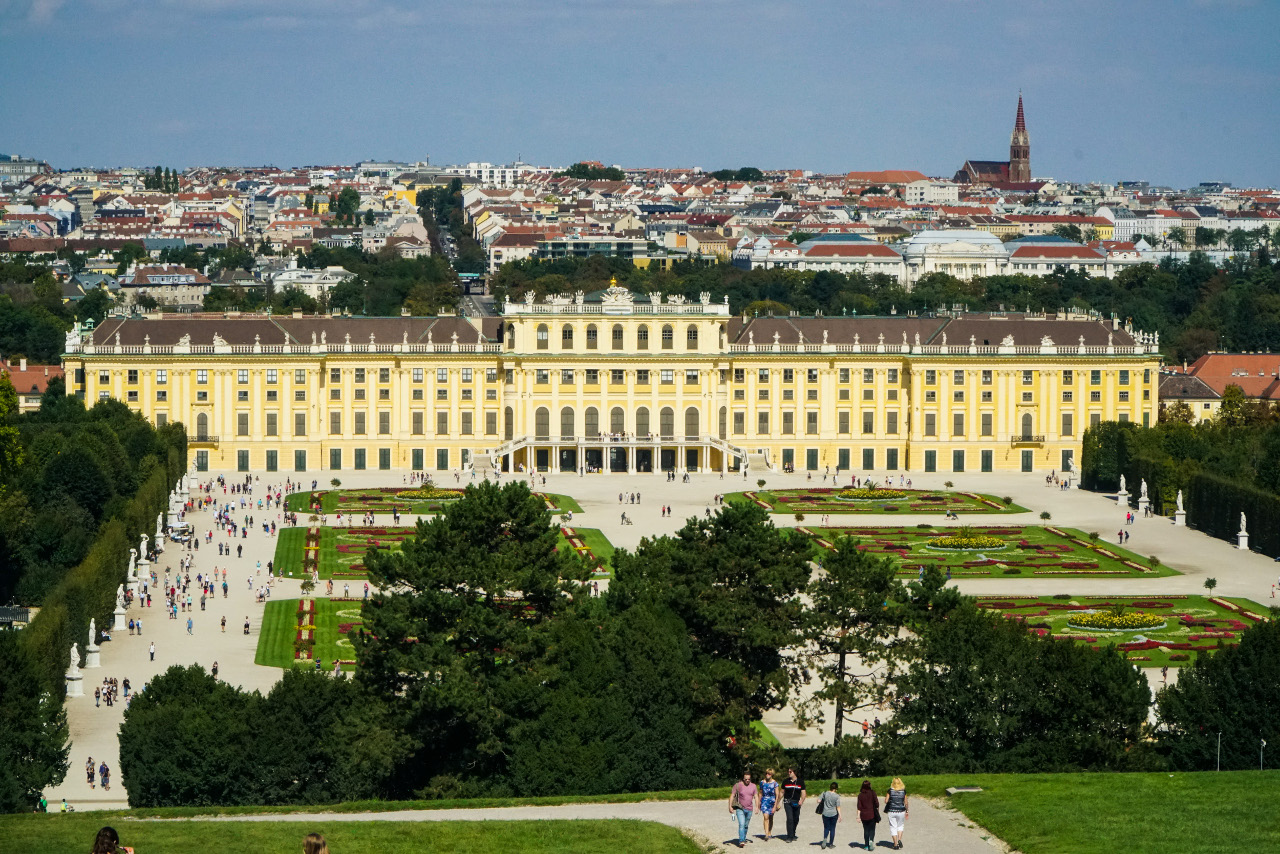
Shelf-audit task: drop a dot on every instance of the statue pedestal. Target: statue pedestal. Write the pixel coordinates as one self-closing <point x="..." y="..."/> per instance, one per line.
<point x="1180" y="518"/>
<point x="1143" y="504"/>
<point x="1122" y="497"/>
<point x="92" y="657"/>
<point x="1242" y="541"/>
<point x="75" y="684"/>
<point x="144" y="570"/>
<point x="121" y="623"/>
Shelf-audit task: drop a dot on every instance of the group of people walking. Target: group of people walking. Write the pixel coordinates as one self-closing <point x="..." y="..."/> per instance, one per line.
<point x="747" y="798"/>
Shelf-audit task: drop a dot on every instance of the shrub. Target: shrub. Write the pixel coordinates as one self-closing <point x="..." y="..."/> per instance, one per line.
<point x="1063" y="596"/>
<point x="924" y="526"/>
<point x="1093" y="535"/>
<point x="948" y="484"/>
<point x="1012" y="570"/>
<point x="1044" y="516"/>
<point x="1008" y="499"/>
<point x="1179" y="656"/>
<point x="430" y="493"/>
<point x="1153" y="561"/>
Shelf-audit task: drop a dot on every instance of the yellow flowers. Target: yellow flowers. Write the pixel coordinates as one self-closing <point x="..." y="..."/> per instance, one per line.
<point x="1111" y="622"/>
<point x="431" y="493"/>
<point x="966" y="542"/>
<point x="871" y="494"/>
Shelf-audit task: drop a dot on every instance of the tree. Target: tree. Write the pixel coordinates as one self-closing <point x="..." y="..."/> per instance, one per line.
<point x="33" y="729"/>
<point x="592" y="172"/>
<point x="1209" y="584"/>
<point x="851" y="627"/>
<point x="368" y="217"/>
<point x="1069" y="231"/>
<point x="1235" y="692"/>
<point x="734" y="580"/>
<point x="1233" y="411"/>
<point x="128" y="254"/>
<point x="962" y="708"/>
<point x="1179" y="412"/>
<point x="1177" y="237"/>
<point x="11" y="455"/>
<point x="346" y="206"/>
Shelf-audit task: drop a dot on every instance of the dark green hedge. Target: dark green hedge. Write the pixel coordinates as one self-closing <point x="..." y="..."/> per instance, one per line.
<point x="1215" y="504"/>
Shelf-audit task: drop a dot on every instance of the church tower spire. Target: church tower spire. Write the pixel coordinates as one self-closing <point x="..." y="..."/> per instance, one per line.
<point x="1020" y="148"/>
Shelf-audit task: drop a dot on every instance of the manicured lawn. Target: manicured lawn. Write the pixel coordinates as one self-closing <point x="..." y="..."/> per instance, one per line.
<point x="764" y="736"/>
<point x="57" y="834"/>
<point x="558" y="503"/>
<point x="279" y="628"/>
<point x="1029" y="551"/>
<point x="380" y="500"/>
<point x="1192" y="624"/>
<point x="593" y="545"/>
<point x="826" y="500"/>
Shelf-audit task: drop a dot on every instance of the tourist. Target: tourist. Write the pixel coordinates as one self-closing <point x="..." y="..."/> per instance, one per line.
<point x="246" y="625"/>
<point x="869" y="813"/>
<point x="314" y="844"/>
<point x="215" y="670"/>
<point x="744" y="799"/>
<point x="105" y="773"/>
<point x="224" y="624"/>
<point x="793" y="797"/>
<point x="89" y="771"/>
<point x="829" y="808"/>
<point x="896" y="810"/>
<point x="188" y="625"/>
<point x="153" y="650"/>
<point x="107" y="841"/>
<point x="768" y="802"/>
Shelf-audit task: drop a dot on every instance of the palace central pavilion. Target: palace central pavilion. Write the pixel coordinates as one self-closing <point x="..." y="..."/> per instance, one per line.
<point x="622" y="382"/>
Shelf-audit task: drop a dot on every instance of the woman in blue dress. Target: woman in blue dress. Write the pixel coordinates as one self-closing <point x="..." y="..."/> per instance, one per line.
<point x="768" y="801"/>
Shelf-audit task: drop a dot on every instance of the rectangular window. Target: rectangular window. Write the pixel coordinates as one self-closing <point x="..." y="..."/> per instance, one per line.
<point x="986" y="377"/>
<point x="541" y="377"/>
<point x="385" y="393"/>
<point x="617" y="377"/>
<point x="1095" y="397"/>
<point x="1067" y="396"/>
<point x="1027" y="396"/>
<point x="384" y="459"/>
<point x="201" y="396"/>
<point x="300" y="394"/>
<point x="891" y="459"/>
<point x="893" y="376"/>
<point x="986" y="397"/>
<point x="360" y="423"/>
<point x="957" y="377"/>
<point x="739" y="375"/>
<point x="273" y="460"/>
<point x="868" y="458"/>
<point x="1124" y="397"/>
<point x="162" y="377"/>
<point x="162" y="395"/>
<point x="202" y="377"/>
<point x="566" y="377"/>
<point x="642" y="377"/>
<point x="466" y="423"/>
<point x="739" y="423"/>
<point x="1027" y="377"/>
<point x="811" y="423"/>
<point x="762" y="423"/>
<point x="335" y="422"/>
<point x="891" y="423"/>
<point x="870" y="393"/>
<point x="417" y="375"/>
<point x="300" y="376"/>
<point x="930" y="460"/>
<point x="957" y="424"/>
<point x="335" y="376"/>
<point x="416" y="459"/>
<point x="242" y="424"/>
<point x="811" y="459"/>
<point x="592" y="376"/>
<point x="842" y="423"/>
<point x="762" y="375"/>
<point x="491" y="423"/>
<point x="416" y="423"/>
<point x="384" y="374"/>
<point x="1095" y="378"/>
<point x="442" y="375"/>
<point x="242" y="460"/>
<point x="930" y="377"/>
<point x="442" y="459"/>
<point x="957" y="396"/>
<point x="361" y="459"/>
<point x="788" y="375"/>
<point x="690" y="377"/>
<point x="132" y="397"/>
<point x="272" y="426"/>
<point x="668" y="376"/>
<point x="930" y="397"/>
<point x="242" y="396"/>
<point x="242" y="376"/>
<point x="442" y="394"/>
<point x="844" y="375"/>
<point x="868" y="375"/>
<point x="335" y="459"/>
<point x="986" y="423"/>
<point x="131" y="376"/>
<point x="1095" y="418"/>
<point x="360" y="394"/>
<point x="299" y="423"/>
<point x="272" y="375"/>
<point x="1068" y="377"/>
<point x="842" y="459"/>
<point x="844" y="394"/>
<point x="788" y="423"/>
<point x="442" y="423"/>
<point x="987" y="459"/>
<point x="335" y="393"/>
<point x="930" y="424"/>
<point x="1067" y="424"/>
<point x="811" y="375"/>
<point x="957" y="460"/>
<point x="360" y="375"/>
<point x="384" y="423"/>
<point x="1124" y="378"/>
<point x="868" y="422"/>
<point x="299" y="460"/>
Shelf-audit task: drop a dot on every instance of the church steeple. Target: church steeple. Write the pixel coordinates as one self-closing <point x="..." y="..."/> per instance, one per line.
<point x="1020" y="148"/>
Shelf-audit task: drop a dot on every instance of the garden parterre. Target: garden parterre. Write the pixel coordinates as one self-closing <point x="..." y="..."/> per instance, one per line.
<point x="1187" y="625"/>
<point x="298" y="632"/>
<point x="880" y="500"/>
<point x="387" y="499"/>
<point x="1027" y="551"/>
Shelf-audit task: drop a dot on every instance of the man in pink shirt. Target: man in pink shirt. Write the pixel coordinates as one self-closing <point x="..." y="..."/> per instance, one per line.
<point x="744" y="800"/>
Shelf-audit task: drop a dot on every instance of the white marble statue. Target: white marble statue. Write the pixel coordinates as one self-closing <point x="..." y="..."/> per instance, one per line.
<point x="1179" y="500"/>
<point x="74" y="669"/>
<point x="120" y="597"/>
<point x="1242" y="528"/>
<point x="1122" y="488"/>
<point x="1143" y="488"/>
<point x="142" y="548"/>
<point x="133" y="562"/>
<point x="93" y="632"/>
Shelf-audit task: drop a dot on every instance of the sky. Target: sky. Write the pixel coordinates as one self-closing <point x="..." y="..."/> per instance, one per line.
<point x="1169" y="91"/>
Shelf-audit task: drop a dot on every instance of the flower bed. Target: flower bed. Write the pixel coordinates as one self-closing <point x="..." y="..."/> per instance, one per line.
<point x="877" y="495"/>
<point x="1108" y="622"/>
<point x="871" y="499"/>
<point x="434" y="493"/>
<point x="972" y="543"/>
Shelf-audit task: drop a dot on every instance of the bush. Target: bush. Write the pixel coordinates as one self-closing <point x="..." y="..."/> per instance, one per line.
<point x="924" y="526"/>
<point x="948" y="484"/>
<point x="1008" y="499"/>
<point x="1179" y="656"/>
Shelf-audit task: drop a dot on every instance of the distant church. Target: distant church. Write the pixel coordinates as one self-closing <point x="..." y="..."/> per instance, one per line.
<point x="1014" y="171"/>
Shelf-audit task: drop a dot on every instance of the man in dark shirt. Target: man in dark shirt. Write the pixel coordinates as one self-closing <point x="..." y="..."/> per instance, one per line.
<point x="793" y="795"/>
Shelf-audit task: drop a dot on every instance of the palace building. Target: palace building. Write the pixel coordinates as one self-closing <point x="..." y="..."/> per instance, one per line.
<point x="621" y="382"/>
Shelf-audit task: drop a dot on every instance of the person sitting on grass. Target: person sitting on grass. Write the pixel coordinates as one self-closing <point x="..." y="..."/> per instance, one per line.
<point x="314" y="844"/>
<point x="108" y="842"/>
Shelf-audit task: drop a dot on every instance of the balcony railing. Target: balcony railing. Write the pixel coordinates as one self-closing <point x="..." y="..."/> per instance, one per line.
<point x="1026" y="439"/>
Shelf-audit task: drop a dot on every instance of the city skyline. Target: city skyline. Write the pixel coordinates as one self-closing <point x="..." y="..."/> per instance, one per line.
<point x="1173" y="94"/>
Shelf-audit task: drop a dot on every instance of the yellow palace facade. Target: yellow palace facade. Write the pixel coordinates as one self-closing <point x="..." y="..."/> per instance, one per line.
<point x="618" y="382"/>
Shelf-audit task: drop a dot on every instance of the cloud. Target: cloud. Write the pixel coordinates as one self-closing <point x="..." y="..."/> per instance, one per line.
<point x="42" y="11"/>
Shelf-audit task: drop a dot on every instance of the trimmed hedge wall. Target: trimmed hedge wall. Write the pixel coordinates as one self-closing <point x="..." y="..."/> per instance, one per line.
<point x="1215" y="504"/>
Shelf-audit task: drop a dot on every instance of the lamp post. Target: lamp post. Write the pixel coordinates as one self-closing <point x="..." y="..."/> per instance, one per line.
<point x="1219" y="751"/>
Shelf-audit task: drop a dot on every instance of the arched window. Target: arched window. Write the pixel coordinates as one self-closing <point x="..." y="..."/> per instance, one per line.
<point x="667" y="422"/>
<point x="617" y="336"/>
<point x="509" y="423"/>
<point x="202" y="426"/>
<point x="591" y="336"/>
<point x="511" y="336"/>
<point x="691" y="337"/>
<point x="642" y="422"/>
<point x="542" y="423"/>
<point x="566" y="337"/>
<point x="668" y="337"/>
<point x="724" y="422"/>
<point x="691" y="422"/>
<point x="544" y="336"/>
<point x="642" y="337"/>
<point x="617" y="420"/>
<point x="591" y="422"/>
<point x="566" y="421"/>
<point x="1026" y="425"/>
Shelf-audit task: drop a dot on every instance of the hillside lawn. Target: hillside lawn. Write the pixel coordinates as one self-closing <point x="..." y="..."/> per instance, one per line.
<point x="1152" y="813"/>
<point x="1031" y="551"/>
<point x="58" y="834"/>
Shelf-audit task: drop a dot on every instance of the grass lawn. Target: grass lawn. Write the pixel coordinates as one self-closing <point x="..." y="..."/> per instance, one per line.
<point x="557" y="503"/>
<point x="825" y="500"/>
<point x="593" y="545"/>
<point x="56" y="834"/>
<point x="763" y="735"/>
<point x="279" y="627"/>
<point x="1029" y="551"/>
<point x="379" y="500"/>
<point x="1192" y="624"/>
